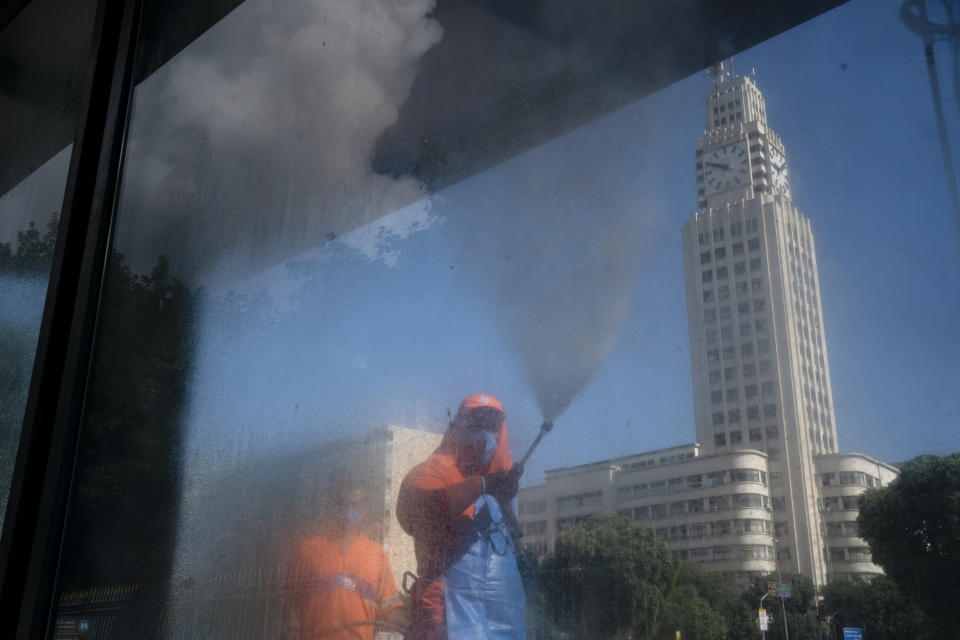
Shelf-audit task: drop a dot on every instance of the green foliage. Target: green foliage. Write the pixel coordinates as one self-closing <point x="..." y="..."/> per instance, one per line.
<point x="127" y="480"/>
<point x="877" y="607"/>
<point x="34" y="252"/>
<point x="704" y="607"/>
<point x="606" y="579"/>
<point x="610" y="579"/>
<point x="800" y="608"/>
<point x="913" y="528"/>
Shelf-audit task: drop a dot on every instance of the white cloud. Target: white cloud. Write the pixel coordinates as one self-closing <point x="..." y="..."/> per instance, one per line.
<point x="254" y="143"/>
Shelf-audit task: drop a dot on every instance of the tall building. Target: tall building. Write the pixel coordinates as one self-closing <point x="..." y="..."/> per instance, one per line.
<point x="759" y="359"/>
<point x="763" y="486"/>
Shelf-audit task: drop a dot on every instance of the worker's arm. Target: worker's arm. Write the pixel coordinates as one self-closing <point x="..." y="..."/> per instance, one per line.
<point x="422" y="506"/>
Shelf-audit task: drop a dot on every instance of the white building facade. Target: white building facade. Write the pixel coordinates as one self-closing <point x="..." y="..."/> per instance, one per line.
<point x="761" y="378"/>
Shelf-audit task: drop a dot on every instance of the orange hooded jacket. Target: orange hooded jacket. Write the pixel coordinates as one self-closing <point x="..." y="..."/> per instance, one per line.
<point x="422" y="512"/>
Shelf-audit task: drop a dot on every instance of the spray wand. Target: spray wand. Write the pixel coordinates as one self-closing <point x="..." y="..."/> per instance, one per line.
<point x="544" y="430"/>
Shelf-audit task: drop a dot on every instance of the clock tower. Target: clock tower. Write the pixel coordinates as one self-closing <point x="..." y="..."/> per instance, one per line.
<point x="739" y="156"/>
<point x="761" y="379"/>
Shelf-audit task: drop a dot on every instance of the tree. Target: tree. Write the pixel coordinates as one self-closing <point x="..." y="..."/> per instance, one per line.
<point x="704" y="607"/>
<point x="608" y="578"/>
<point x="877" y="607"/>
<point x="800" y="607"/>
<point x="913" y="529"/>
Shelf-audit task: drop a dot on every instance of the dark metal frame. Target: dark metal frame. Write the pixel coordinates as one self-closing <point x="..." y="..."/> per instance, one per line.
<point x="36" y="512"/>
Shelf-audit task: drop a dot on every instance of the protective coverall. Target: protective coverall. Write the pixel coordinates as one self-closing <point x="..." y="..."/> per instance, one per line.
<point x="455" y="505"/>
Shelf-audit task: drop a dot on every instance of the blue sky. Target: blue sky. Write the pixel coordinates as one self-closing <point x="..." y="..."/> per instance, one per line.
<point x="396" y="322"/>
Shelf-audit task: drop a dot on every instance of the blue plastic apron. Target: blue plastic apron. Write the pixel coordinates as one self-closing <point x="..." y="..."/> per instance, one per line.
<point x="483" y="594"/>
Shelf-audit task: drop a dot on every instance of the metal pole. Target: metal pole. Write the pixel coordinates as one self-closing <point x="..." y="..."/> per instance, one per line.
<point x="783" y="607"/>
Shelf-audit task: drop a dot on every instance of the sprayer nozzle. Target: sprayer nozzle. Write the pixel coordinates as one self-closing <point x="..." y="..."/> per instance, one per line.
<point x="546" y="426"/>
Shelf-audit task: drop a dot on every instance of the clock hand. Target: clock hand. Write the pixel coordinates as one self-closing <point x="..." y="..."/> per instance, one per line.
<point x="717" y="165"/>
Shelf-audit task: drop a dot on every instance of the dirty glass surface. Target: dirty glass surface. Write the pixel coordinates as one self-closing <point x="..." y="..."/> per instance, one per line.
<point x="44" y="53"/>
<point x="318" y="254"/>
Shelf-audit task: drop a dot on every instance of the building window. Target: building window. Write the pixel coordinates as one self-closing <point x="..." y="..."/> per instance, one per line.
<point x="828" y="479"/>
<point x="753" y="411"/>
<point x="710" y="315"/>
<point x="538" y="528"/>
<point x="851" y="503"/>
<point x="708" y="295"/>
<point x="717" y="234"/>
<point x="766" y="388"/>
<point x="765" y="366"/>
<point x="730" y="374"/>
<point x="737" y="248"/>
<point x="743" y="308"/>
<point x="658" y="511"/>
<point x="716" y="478"/>
<point x="534" y="507"/>
<point x="769" y="411"/>
<point x="678" y="508"/>
<point x="733" y="416"/>
<point x="752" y="225"/>
<point x="852" y="477"/>
<point x="772" y="433"/>
<point x="704" y="238"/>
<point x="641" y="513"/>
<point x="733" y="395"/>
<point x="859" y="554"/>
<point x="716" y="397"/>
<point x="704" y="257"/>
<point x="744" y="475"/>
<point x="695" y="506"/>
<point x="579" y="500"/>
<point x="729" y="352"/>
<point x="763" y="345"/>
<point x="749" y="370"/>
<point x="750" y="391"/>
<point x="720" y="253"/>
<point x="756" y="434"/>
<point x="694" y="482"/>
<point x="720" y="503"/>
<point x="726" y="333"/>
<point x="721" y="273"/>
<point x="714" y="376"/>
<point x="724" y="311"/>
<point x="723" y="292"/>
<point x="736" y="437"/>
<point x="761" y="325"/>
<point x="754" y="264"/>
<point x="749" y="501"/>
<point x="759" y="304"/>
<point x="659" y="487"/>
<point x="720" y="439"/>
<point x="756" y="284"/>
<point x="753" y="244"/>
<point x="711" y="335"/>
<point x="741" y="288"/>
<point x="778" y="503"/>
<point x="713" y="355"/>
<point x="739" y="268"/>
<point x="837" y="554"/>
<point x="746" y="349"/>
<point x="706" y="276"/>
<point x="676" y="484"/>
<point x="746" y="329"/>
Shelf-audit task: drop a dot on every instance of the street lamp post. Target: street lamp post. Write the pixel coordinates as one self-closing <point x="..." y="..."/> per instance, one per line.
<point x="783" y="607"/>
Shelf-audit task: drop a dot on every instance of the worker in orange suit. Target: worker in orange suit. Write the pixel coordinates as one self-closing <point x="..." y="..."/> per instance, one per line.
<point x="457" y="507"/>
<point x="341" y="585"/>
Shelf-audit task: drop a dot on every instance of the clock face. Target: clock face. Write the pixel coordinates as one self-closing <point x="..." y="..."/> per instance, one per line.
<point x="726" y="168"/>
<point x="778" y="172"/>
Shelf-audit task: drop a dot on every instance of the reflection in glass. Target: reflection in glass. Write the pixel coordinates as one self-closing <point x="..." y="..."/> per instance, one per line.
<point x="44" y="53"/>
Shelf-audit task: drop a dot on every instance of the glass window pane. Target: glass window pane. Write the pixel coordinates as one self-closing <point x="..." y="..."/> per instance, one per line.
<point x="44" y="53"/>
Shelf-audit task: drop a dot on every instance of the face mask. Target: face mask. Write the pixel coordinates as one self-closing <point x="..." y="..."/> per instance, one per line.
<point x="484" y="444"/>
<point x="353" y="516"/>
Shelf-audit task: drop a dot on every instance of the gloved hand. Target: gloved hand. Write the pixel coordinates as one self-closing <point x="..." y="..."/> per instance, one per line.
<point x="503" y="485"/>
